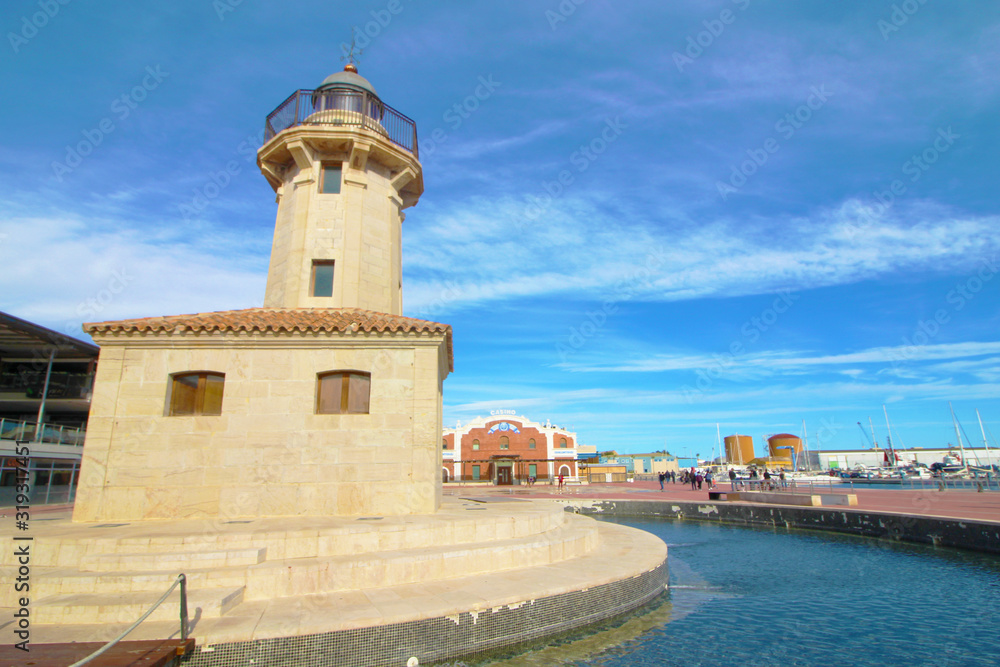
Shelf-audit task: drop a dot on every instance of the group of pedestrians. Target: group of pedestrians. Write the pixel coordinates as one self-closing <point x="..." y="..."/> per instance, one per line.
<point x="699" y="478"/>
<point x="754" y="481"/>
<point x="669" y="476"/>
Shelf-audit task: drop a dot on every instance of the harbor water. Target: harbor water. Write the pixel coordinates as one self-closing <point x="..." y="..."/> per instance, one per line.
<point x="749" y="596"/>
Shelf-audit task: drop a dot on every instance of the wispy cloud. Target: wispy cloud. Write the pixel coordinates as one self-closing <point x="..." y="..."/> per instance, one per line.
<point x="785" y="362"/>
<point x="61" y="271"/>
<point x="487" y="250"/>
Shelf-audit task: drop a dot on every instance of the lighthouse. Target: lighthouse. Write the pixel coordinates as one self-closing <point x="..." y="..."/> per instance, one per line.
<point x="326" y="401"/>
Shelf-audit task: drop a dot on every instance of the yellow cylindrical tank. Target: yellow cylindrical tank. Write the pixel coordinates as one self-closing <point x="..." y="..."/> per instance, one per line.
<point x="739" y="449"/>
<point x="778" y="446"/>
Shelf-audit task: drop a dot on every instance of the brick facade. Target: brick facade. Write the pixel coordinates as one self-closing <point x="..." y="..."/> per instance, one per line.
<point x="508" y="450"/>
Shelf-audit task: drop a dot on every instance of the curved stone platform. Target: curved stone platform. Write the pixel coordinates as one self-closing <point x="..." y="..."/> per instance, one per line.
<point x="473" y="577"/>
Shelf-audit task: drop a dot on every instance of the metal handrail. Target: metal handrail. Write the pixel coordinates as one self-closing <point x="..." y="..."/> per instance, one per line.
<point x="15" y="429"/>
<point x="182" y="580"/>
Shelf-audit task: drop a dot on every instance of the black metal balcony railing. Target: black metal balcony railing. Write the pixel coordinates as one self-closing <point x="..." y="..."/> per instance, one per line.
<point x="343" y="107"/>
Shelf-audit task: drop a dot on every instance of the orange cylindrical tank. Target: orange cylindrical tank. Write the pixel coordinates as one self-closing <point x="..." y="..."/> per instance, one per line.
<point x="778" y="446"/>
<point x="739" y="449"/>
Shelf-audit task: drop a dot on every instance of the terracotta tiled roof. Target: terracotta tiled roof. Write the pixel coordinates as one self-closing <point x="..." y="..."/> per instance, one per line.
<point x="276" y="320"/>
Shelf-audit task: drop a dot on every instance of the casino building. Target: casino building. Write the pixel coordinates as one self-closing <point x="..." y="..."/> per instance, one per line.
<point x="506" y="449"/>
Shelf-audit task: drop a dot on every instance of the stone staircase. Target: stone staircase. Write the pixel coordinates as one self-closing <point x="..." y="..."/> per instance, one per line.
<point x="91" y="575"/>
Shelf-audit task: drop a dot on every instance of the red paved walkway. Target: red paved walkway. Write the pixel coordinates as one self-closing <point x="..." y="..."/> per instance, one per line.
<point x="950" y="503"/>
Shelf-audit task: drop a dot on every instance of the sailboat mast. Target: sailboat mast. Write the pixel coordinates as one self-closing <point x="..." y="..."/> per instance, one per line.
<point x="805" y="446"/>
<point x="989" y="462"/>
<point x="718" y="440"/>
<point x="954" y="420"/>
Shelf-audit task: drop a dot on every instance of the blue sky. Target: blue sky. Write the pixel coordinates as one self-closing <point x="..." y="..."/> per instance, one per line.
<point x="641" y="219"/>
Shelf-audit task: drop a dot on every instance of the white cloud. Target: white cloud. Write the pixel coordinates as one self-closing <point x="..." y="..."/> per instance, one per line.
<point x="487" y="250"/>
<point x="60" y="271"/>
<point x="788" y="361"/>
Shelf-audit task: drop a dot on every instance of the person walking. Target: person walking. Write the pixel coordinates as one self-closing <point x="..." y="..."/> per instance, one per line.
<point x="709" y="478"/>
<point x="661" y="481"/>
<point x="692" y="477"/>
<point x="732" y="478"/>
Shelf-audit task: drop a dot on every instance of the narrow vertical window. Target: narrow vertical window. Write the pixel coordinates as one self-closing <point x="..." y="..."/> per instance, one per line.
<point x="343" y="392"/>
<point x="475" y="444"/>
<point x="322" y="278"/>
<point x="504" y="442"/>
<point x="196" y="393"/>
<point x="330" y="180"/>
<point x="531" y="444"/>
<point x="562" y="442"/>
<point x="532" y="470"/>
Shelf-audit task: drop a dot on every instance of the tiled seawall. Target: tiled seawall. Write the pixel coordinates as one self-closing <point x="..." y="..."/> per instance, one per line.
<point x="444" y="638"/>
<point x="960" y="533"/>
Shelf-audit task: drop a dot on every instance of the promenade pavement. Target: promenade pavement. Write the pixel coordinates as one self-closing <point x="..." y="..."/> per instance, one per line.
<point x="951" y="503"/>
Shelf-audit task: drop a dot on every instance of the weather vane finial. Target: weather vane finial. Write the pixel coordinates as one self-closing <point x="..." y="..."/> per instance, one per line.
<point x="352" y="52"/>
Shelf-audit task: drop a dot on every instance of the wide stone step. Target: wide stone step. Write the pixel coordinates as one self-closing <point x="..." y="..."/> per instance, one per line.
<point x="390" y="568"/>
<point x="128" y="607"/>
<point x="174" y="561"/>
<point x="275" y="578"/>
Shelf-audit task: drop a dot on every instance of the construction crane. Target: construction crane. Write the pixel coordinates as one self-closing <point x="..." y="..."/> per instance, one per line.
<point x="864" y="433"/>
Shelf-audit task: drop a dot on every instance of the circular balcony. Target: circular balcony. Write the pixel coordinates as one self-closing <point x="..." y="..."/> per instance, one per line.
<point x="343" y="107"/>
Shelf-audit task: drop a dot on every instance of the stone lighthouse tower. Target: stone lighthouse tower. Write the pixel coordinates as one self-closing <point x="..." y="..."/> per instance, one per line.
<point x="326" y="401"/>
<point x="344" y="166"/>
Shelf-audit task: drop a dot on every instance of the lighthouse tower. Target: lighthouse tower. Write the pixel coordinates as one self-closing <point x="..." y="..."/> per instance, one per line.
<point x="326" y="401"/>
<point x="344" y="167"/>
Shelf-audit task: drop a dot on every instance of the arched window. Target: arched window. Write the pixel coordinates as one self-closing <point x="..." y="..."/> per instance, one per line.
<point x="531" y="445"/>
<point x="196" y="393"/>
<point x="564" y="471"/>
<point x="343" y="392"/>
<point x="444" y="443"/>
<point x="504" y="442"/>
<point x="475" y="444"/>
<point x="562" y="442"/>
